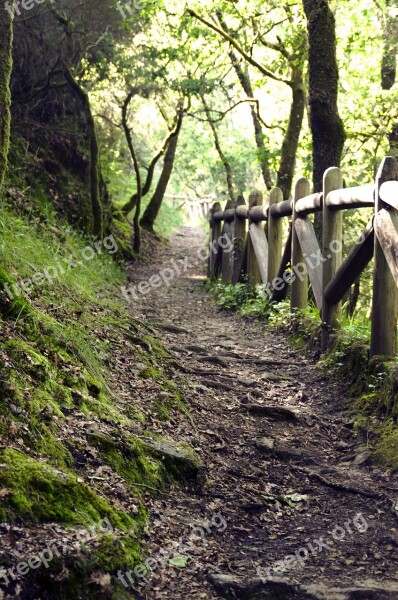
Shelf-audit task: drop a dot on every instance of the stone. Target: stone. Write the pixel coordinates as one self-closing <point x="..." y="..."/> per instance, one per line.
<point x="363" y="458"/>
<point x="96" y="437"/>
<point x="278" y="413"/>
<point x="246" y="383"/>
<point x="179" y="462"/>
<point x="283" y="451"/>
<point x="282" y="589"/>
<point x="266" y="444"/>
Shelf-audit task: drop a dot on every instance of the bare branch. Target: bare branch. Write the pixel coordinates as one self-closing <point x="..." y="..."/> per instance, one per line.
<point x="237" y="47"/>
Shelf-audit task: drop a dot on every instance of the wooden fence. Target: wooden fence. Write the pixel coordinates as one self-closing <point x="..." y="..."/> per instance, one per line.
<point x="256" y="252"/>
<point x="195" y="210"/>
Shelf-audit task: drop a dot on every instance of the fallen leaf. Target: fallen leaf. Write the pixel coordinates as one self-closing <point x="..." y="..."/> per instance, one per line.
<point x="179" y="561"/>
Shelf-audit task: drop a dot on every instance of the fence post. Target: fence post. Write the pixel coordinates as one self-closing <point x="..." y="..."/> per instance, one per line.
<point x="215" y="234"/>
<point x="275" y="228"/>
<point x="253" y="271"/>
<point x="299" y="291"/>
<point x="332" y="251"/>
<point x="239" y="241"/>
<point x="227" y="255"/>
<point x="385" y="294"/>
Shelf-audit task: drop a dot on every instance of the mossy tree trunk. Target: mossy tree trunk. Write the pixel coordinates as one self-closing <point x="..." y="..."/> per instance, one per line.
<point x="152" y="210"/>
<point x="292" y="136"/>
<point x="96" y="205"/>
<point x="328" y="135"/>
<point x="390" y="46"/>
<point x="6" y="30"/>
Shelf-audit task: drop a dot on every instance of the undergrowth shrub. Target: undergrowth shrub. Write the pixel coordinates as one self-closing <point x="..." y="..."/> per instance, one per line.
<point x="248" y="301"/>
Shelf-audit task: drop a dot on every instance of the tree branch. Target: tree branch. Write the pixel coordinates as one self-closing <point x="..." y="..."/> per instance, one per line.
<point x="237" y="47"/>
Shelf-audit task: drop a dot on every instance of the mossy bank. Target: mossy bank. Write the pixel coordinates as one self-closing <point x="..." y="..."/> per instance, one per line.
<point x="73" y="452"/>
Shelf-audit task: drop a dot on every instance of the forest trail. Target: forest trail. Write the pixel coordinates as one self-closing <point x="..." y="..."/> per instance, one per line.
<point x="296" y="482"/>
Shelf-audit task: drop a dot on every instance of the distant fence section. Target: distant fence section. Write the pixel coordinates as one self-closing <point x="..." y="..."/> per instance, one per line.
<point x="257" y="253"/>
<point x="195" y="210"/>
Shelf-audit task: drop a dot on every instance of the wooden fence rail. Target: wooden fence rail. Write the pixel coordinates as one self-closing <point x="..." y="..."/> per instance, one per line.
<point x="255" y="253"/>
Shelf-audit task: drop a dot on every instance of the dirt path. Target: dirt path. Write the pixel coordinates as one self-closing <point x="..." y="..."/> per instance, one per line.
<point x="295" y="486"/>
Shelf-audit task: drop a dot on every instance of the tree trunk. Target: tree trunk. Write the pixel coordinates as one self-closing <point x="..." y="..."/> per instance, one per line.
<point x="94" y="155"/>
<point x="152" y="210"/>
<point x="244" y="79"/>
<point x="223" y="158"/>
<point x="291" y="140"/>
<point x="393" y="138"/>
<point x="6" y="30"/>
<point x="128" y="207"/>
<point x="138" y="195"/>
<point x="353" y="297"/>
<point x="389" y="65"/>
<point x="245" y="82"/>
<point x="390" y="47"/>
<point x="328" y="135"/>
<point x="290" y="144"/>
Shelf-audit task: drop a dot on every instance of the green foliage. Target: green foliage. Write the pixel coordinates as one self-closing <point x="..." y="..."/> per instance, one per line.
<point x="248" y="301"/>
<point x="232" y="297"/>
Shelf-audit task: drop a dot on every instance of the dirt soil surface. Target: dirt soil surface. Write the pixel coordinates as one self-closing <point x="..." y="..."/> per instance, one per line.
<point x="293" y="506"/>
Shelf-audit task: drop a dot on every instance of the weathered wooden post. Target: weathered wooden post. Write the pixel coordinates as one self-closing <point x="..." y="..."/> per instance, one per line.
<point x="227" y="243"/>
<point x="299" y="290"/>
<point x="275" y="230"/>
<point x="332" y="251"/>
<point x="239" y="238"/>
<point x="385" y="295"/>
<point x="215" y="234"/>
<point x="253" y="271"/>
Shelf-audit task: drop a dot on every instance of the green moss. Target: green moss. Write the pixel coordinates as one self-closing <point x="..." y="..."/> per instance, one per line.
<point x="156" y="348"/>
<point x="55" y="358"/>
<point x="6" y="33"/>
<point x="27" y="357"/>
<point x="40" y="493"/>
<point x="129" y="458"/>
<point x="180" y="462"/>
<point x="386" y="447"/>
<point x="170" y="397"/>
<point x="45" y="442"/>
<point x="150" y="372"/>
<point x="133" y="413"/>
<point x="112" y="552"/>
